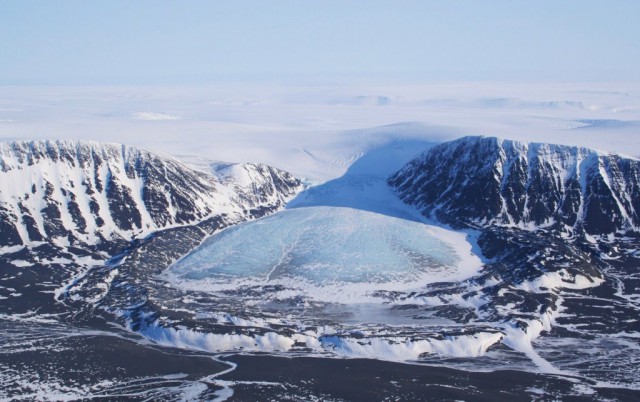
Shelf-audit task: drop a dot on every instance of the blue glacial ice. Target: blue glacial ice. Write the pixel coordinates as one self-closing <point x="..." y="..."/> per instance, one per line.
<point x="324" y="245"/>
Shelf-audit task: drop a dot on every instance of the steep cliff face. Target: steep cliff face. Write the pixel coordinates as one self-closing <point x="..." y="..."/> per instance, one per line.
<point x="75" y="193"/>
<point x="481" y="181"/>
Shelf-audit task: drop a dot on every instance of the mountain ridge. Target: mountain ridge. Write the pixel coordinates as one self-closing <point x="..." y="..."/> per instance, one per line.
<point x="482" y="181"/>
<point x="87" y="192"/>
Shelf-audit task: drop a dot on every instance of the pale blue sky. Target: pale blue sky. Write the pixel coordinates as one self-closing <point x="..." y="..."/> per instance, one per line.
<point x="110" y="42"/>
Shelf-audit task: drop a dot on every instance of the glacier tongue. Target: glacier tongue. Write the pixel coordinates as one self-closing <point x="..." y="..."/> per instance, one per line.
<point x="351" y="232"/>
<point x="325" y="244"/>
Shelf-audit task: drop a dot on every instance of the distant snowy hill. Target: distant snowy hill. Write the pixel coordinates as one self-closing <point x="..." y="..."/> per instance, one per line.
<point x="85" y="193"/>
<point x="482" y="181"/>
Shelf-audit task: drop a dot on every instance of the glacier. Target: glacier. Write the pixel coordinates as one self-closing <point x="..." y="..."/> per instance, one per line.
<point x="339" y="241"/>
<point x="326" y="245"/>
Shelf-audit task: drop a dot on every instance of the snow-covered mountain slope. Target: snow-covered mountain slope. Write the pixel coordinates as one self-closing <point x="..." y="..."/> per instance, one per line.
<point x="478" y="181"/>
<point x="83" y="193"/>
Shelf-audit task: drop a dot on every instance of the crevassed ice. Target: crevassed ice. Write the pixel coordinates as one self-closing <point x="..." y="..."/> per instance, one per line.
<point x="324" y="245"/>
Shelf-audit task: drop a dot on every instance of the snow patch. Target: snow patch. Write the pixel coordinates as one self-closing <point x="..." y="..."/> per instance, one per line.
<point x="154" y="116"/>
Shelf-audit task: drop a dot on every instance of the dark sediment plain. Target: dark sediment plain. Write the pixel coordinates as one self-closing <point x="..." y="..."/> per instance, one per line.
<point x="482" y="269"/>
